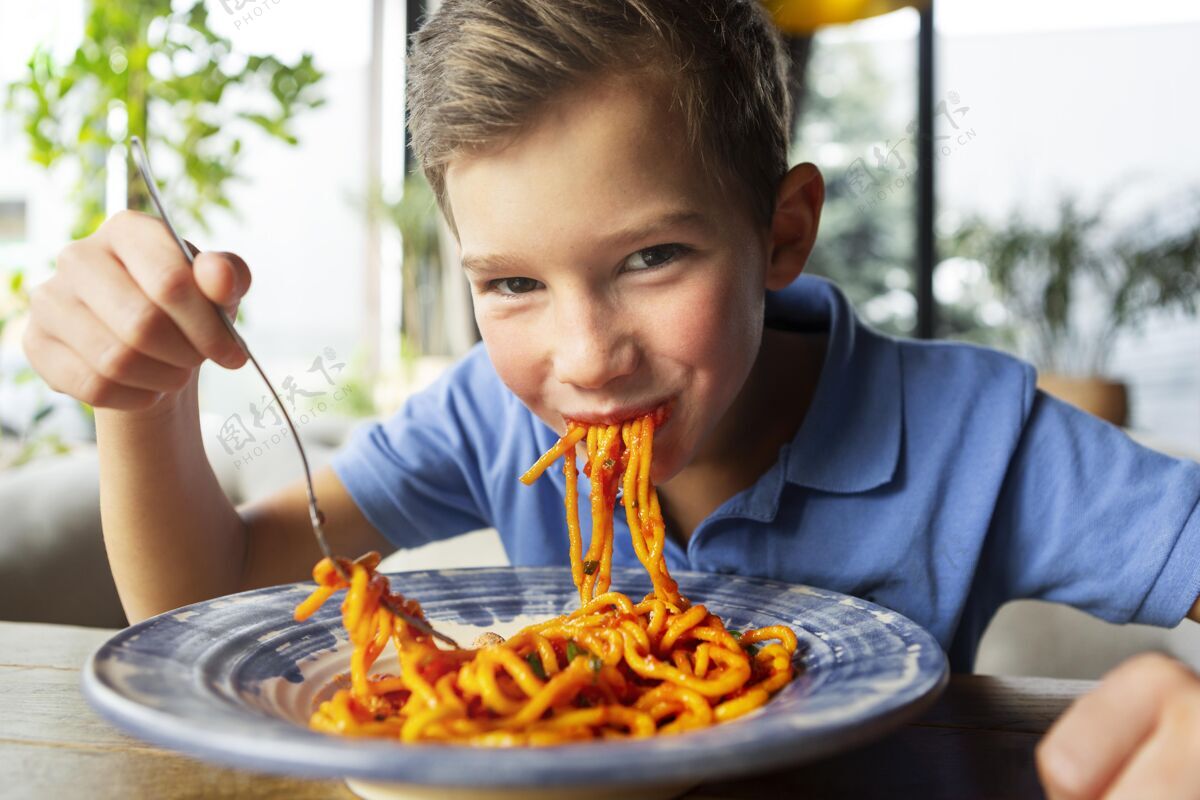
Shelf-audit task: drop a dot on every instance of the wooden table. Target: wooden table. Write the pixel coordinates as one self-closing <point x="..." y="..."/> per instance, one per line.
<point x="976" y="742"/>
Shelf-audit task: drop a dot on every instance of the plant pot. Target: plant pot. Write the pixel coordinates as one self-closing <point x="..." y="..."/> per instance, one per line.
<point x="1108" y="400"/>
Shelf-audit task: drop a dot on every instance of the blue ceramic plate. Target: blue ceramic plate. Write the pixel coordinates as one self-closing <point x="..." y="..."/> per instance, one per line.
<point x="233" y="680"/>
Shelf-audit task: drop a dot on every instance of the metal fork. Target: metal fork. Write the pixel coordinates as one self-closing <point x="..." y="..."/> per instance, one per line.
<point x="314" y="512"/>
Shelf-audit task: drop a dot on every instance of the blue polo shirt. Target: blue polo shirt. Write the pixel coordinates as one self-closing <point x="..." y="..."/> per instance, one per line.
<point x="929" y="477"/>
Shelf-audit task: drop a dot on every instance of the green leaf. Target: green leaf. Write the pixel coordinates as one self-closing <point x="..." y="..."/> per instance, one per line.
<point x="573" y="650"/>
<point x="43" y="412"/>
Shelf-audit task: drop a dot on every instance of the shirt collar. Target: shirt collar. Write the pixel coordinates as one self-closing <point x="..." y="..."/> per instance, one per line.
<point x="850" y="438"/>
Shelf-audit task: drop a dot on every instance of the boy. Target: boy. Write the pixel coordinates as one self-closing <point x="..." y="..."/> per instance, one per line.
<point x="616" y="176"/>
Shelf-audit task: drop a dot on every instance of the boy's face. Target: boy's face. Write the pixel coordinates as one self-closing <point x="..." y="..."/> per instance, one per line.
<point x="609" y="274"/>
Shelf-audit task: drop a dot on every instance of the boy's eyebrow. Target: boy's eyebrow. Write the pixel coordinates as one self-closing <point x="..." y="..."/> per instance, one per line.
<point x="669" y="219"/>
<point x="484" y="264"/>
<point x="480" y="264"/>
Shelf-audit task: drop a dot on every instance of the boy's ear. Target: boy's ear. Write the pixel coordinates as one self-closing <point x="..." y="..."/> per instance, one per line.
<point x="794" y="224"/>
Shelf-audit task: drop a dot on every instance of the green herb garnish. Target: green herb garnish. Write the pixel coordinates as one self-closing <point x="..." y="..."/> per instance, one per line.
<point x="535" y="664"/>
<point x="573" y="650"/>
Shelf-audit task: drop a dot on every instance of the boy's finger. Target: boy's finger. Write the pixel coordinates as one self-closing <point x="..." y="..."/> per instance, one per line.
<point x="165" y="276"/>
<point x="223" y="277"/>
<point x="1090" y="744"/>
<point x="111" y="294"/>
<point x="65" y="371"/>
<point x="68" y="320"/>
<point x="1166" y="767"/>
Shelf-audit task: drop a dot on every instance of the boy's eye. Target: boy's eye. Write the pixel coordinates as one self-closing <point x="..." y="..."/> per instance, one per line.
<point x="654" y="256"/>
<point x="513" y="285"/>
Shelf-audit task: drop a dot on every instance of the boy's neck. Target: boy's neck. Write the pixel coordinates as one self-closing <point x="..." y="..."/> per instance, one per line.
<point x="764" y="416"/>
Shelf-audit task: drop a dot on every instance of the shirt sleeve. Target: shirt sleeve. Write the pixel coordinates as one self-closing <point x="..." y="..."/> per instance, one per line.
<point x="1090" y="518"/>
<point x="415" y="476"/>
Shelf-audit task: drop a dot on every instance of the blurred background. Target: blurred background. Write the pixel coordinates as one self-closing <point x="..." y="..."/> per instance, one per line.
<point x="1062" y="218"/>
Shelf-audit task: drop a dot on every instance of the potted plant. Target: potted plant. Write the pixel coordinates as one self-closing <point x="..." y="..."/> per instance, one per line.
<point x="1075" y="284"/>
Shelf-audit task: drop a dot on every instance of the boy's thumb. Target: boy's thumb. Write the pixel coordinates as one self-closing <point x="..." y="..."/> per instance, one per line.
<point x="223" y="278"/>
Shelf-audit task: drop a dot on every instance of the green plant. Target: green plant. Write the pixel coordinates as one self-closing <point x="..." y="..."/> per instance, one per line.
<point x="143" y="69"/>
<point x="866" y="252"/>
<point x="867" y="233"/>
<point x="23" y="444"/>
<point x="356" y="386"/>
<point x="14" y="299"/>
<point x="415" y="215"/>
<point x="1078" y="282"/>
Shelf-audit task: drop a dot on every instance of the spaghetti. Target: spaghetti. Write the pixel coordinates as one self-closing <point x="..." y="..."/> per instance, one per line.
<point x="611" y="669"/>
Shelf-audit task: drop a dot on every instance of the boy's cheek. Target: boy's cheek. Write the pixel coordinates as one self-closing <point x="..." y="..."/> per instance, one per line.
<point x="513" y="354"/>
<point x="716" y="329"/>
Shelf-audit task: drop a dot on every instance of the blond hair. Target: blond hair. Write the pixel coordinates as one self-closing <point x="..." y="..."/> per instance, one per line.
<point x="480" y="71"/>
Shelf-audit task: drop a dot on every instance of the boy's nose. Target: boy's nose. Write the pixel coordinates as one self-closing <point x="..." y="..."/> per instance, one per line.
<point x="591" y="350"/>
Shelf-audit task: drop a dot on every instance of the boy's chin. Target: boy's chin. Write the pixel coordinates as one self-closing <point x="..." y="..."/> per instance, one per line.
<point x="665" y="465"/>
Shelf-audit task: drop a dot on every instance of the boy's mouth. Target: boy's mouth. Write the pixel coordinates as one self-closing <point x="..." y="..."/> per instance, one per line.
<point x="659" y="409"/>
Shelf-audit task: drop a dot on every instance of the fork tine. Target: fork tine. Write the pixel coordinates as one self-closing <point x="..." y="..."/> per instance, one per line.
<point x="420" y="624"/>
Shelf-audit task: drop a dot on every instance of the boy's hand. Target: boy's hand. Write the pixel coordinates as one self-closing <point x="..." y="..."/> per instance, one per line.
<point x="125" y="322"/>
<point x="1136" y="736"/>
